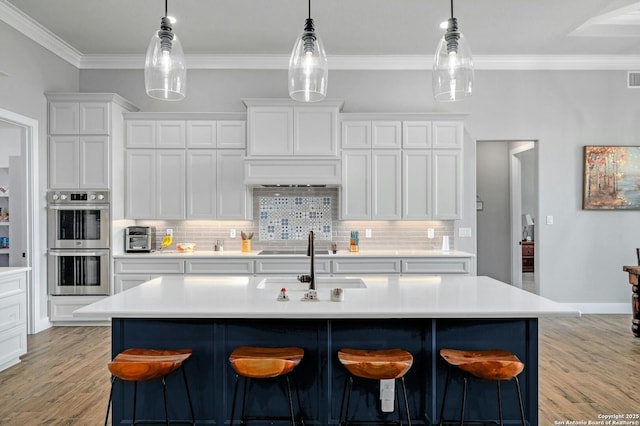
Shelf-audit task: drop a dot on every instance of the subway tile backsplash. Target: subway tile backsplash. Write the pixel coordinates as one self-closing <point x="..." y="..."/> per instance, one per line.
<point x="385" y="235"/>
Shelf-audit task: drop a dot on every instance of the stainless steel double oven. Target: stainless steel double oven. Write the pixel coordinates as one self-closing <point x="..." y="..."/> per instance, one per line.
<point x="78" y="241"/>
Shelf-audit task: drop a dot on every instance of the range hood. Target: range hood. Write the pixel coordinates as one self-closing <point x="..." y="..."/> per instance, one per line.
<point x="288" y="171"/>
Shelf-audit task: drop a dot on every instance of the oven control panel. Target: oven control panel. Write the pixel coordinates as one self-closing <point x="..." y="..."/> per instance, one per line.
<point x="78" y="197"/>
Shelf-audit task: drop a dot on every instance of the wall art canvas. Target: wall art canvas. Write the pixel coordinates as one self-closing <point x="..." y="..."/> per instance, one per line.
<point x="611" y="178"/>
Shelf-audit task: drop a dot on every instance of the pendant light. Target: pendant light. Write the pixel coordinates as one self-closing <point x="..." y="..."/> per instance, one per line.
<point x="308" y="69"/>
<point x="165" y="75"/>
<point x="452" y="77"/>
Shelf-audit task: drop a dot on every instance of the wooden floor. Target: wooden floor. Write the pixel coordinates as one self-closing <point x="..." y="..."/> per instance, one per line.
<point x="589" y="366"/>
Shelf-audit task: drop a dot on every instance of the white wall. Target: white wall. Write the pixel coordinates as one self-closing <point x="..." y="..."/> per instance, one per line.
<point x="10" y="138"/>
<point x="32" y="71"/>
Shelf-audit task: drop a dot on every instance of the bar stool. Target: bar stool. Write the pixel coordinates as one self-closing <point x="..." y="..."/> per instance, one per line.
<point x="496" y="364"/>
<point x="382" y="364"/>
<point x="134" y="365"/>
<point x="252" y="362"/>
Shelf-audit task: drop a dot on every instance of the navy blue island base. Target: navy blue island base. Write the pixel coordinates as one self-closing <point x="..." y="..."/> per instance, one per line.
<point x="320" y="376"/>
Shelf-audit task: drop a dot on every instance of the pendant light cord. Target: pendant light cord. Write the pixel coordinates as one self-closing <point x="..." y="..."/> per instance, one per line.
<point x="451" y="8"/>
<point x="310" y="9"/>
<point x="166" y="7"/>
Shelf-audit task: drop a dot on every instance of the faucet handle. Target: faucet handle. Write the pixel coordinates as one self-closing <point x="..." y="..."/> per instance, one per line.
<point x="304" y="278"/>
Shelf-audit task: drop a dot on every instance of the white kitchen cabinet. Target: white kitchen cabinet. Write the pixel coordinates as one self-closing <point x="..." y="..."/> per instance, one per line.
<point x="283" y="128"/>
<point x="378" y="134"/>
<point x="202" y="134"/>
<point x="416" y="184"/>
<point x="386" y="190"/>
<point x="291" y="266"/>
<point x="448" y="134"/>
<point x="233" y="196"/>
<point x="125" y="282"/>
<point x="148" y="266"/>
<point x="447" y="184"/>
<point x="356" y="134"/>
<point x="231" y="134"/>
<point x="386" y="134"/>
<point x="436" y="265"/>
<point x="84" y="118"/>
<point x="156" y="133"/>
<point x="355" y="192"/>
<point x="221" y="266"/>
<point x="155" y="184"/>
<point x="13" y="317"/>
<point x="201" y="184"/>
<point x="61" y="309"/>
<point x="416" y="134"/>
<point x="366" y="266"/>
<point x="371" y="184"/>
<point x="78" y="162"/>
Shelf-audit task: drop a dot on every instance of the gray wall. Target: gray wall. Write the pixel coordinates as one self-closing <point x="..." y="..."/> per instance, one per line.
<point x="494" y="224"/>
<point x="581" y="255"/>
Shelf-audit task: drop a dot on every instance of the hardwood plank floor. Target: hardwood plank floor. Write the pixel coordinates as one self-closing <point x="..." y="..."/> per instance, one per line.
<point x="589" y="367"/>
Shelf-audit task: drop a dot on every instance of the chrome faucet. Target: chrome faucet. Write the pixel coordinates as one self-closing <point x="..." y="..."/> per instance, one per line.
<point x="311" y="278"/>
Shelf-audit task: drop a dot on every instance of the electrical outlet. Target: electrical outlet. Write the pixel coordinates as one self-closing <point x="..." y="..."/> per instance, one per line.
<point x="464" y="232"/>
<point x="367" y="233"/>
<point x="232" y="233"/>
<point x="170" y="232"/>
<point x="431" y="233"/>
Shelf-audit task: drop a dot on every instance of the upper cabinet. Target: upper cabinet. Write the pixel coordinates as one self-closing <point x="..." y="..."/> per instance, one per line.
<point x="377" y="134"/>
<point x="278" y="127"/>
<point x="85" y="131"/>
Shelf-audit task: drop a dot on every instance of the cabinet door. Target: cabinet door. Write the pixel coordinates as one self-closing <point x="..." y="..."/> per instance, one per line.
<point x="232" y="134"/>
<point x="356" y="134"/>
<point x="63" y="162"/>
<point x="386" y="134"/>
<point x="94" y="118"/>
<point x="94" y="162"/>
<point x="141" y="134"/>
<point x="170" y="134"/>
<point x="448" y="134"/>
<point x="64" y="118"/>
<point x="201" y="134"/>
<point x="140" y="184"/>
<point x="315" y="131"/>
<point x="233" y="195"/>
<point x="416" y="184"/>
<point x="270" y="131"/>
<point x="356" y="184"/>
<point x="171" y="187"/>
<point x="386" y="190"/>
<point x="125" y="282"/>
<point x="416" y="134"/>
<point x="201" y="184"/>
<point x="447" y="184"/>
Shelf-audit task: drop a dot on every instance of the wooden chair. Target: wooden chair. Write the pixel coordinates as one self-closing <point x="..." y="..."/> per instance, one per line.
<point x="496" y="364"/>
<point x="252" y="362"/>
<point x="134" y="365"/>
<point x="374" y="365"/>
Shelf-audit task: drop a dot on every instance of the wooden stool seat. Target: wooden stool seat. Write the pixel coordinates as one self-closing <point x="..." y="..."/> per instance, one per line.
<point x="146" y="364"/>
<point x="260" y="363"/>
<point x="138" y="364"/>
<point x="495" y="364"/>
<point x="376" y="364"/>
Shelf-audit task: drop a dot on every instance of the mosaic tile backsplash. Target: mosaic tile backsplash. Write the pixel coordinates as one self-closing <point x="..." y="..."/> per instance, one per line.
<point x="292" y="217"/>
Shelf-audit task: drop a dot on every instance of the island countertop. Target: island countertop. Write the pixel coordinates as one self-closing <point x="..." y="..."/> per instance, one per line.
<point x="383" y="297"/>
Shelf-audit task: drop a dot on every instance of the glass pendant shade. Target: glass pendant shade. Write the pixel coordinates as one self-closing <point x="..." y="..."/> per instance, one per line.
<point x="452" y="77"/>
<point x="165" y="74"/>
<point x="308" y="68"/>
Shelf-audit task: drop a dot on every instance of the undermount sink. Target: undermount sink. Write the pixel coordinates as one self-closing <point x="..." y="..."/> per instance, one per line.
<point x="292" y="283"/>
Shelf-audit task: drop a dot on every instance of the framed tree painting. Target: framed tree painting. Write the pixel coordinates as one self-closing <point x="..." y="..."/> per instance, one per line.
<point x="611" y="178"/>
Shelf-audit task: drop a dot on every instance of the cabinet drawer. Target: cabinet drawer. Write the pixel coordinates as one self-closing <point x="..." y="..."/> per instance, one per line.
<point x="13" y="343"/>
<point x="291" y="266"/>
<point x="223" y="267"/>
<point x="12" y="284"/>
<point x="125" y="282"/>
<point x="436" y="266"/>
<point x="62" y="307"/>
<point x="149" y="266"/>
<point x="13" y="312"/>
<point x="366" y="266"/>
<point x="527" y="251"/>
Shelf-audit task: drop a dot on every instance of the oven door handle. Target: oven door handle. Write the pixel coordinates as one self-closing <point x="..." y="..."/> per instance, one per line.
<point x="78" y="253"/>
<point x="79" y="207"/>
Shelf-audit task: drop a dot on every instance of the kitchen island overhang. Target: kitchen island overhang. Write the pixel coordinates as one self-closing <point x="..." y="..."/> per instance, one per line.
<point x="213" y="315"/>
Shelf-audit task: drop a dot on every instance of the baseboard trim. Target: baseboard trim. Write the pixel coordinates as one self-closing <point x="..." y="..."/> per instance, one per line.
<point x="602" y="308"/>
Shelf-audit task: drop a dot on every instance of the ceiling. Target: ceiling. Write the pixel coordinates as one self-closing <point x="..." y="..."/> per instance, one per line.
<point x="120" y="30"/>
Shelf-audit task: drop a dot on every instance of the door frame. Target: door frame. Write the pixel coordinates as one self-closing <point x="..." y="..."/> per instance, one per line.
<point x="36" y="279"/>
<point x="515" y="194"/>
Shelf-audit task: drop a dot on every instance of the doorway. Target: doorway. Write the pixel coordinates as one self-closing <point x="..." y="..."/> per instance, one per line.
<point x="26" y="205"/>
<point x="507" y="175"/>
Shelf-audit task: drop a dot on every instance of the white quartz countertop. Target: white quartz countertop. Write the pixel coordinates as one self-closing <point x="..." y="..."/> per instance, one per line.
<point x="8" y="270"/>
<point x="254" y="254"/>
<point x="383" y="297"/>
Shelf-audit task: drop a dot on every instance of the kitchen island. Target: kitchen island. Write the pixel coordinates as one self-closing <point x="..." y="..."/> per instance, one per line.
<point x="213" y="315"/>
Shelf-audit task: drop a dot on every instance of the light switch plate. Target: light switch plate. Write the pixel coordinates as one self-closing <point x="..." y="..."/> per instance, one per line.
<point x="464" y="232"/>
<point x="232" y="233"/>
<point x="549" y="220"/>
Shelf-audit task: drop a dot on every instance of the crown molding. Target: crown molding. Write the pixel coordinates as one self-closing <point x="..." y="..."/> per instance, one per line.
<point x="23" y="23"/>
<point x="32" y="29"/>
